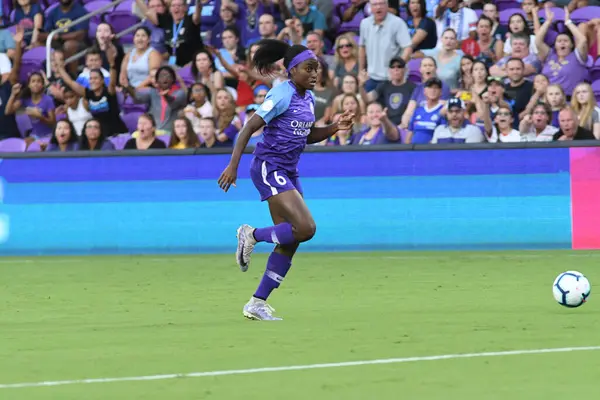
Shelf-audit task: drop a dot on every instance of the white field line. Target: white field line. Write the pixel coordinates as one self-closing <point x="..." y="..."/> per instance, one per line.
<point x="296" y="367"/>
<point x="356" y="256"/>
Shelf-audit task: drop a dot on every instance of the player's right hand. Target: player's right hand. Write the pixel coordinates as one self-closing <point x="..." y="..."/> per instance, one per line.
<point x="227" y="178"/>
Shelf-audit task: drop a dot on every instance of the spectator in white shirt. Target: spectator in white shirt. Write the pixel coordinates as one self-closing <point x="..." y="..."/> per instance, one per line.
<point x="502" y="129"/>
<point x="535" y="127"/>
<point x="5" y="67"/>
<point x="456" y="131"/>
<point x="383" y="36"/>
<point x="463" y="20"/>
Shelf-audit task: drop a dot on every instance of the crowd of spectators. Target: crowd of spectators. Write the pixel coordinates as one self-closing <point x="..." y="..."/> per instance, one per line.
<point x="420" y="71"/>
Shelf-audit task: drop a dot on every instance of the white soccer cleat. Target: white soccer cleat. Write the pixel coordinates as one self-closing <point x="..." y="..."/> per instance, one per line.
<point x="246" y="243"/>
<point x="259" y="310"/>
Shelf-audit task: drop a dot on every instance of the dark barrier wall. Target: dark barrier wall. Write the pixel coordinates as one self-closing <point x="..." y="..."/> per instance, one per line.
<point x="516" y="198"/>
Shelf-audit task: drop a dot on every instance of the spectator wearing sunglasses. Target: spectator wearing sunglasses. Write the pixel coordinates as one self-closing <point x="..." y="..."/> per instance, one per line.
<point x="394" y="94"/>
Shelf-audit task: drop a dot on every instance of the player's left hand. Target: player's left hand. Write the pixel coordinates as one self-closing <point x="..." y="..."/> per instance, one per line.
<point x="346" y="121"/>
<point x="227" y="178"/>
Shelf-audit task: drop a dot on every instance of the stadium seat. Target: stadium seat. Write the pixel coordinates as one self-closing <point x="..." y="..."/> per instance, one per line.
<point x="121" y="18"/>
<point x="119" y="141"/>
<point x="165" y="139"/>
<point x="596" y="89"/>
<point x="505" y="5"/>
<point x="34" y="147"/>
<point x="559" y="13"/>
<point x="12" y="145"/>
<point x="585" y="14"/>
<point x="414" y="65"/>
<point x="595" y="71"/>
<point x="505" y="15"/>
<point x="551" y="37"/>
<point x="130" y="120"/>
<point x="403" y="133"/>
<point x="128" y="105"/>
<point x="97" y="19"/>
<point x="352" y="26"/>
<point x="186" y="74"/>
<point x="32" y="61"/>
<point x="50" y="8"/>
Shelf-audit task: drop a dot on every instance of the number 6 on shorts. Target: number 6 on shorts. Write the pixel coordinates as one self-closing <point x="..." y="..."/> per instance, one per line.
<point x="279" y="179"/>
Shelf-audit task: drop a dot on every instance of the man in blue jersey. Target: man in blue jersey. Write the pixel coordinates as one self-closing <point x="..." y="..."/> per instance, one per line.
<point x="456" y="130"/>
<point x="428" y="70"/>
<point x="427" y="117"/>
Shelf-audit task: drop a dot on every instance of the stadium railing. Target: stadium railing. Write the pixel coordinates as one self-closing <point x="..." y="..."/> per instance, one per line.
<point x="86" y="17"/>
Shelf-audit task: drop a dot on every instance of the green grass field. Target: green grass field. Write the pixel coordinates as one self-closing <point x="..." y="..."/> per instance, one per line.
<point x="106" y="317"/>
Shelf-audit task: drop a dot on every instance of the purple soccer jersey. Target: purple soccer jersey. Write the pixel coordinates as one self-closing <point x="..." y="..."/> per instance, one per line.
<point x="289" y="119"/>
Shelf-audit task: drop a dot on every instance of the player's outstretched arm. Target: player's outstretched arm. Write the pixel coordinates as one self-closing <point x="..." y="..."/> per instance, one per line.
<point x="229" y="176"/>
<point x="320" y="133"/>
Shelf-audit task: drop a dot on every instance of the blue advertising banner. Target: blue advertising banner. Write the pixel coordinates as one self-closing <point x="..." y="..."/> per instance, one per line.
<point x="517" y="198"/>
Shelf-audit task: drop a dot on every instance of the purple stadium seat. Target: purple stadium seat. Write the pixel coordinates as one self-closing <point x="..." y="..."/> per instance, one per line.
<point x="414" y="65"/>
<point x="186" y="74"/>
<point x="34" y="147"/>
<point x="551" y="37"/>
<point x="505" y="5"/>
<point x="559" y="13"/>
<point x="128" y="105"/>
<point x="596" y="89"/>
<point x="585" y="14"/>
<point x="165" y="139"/>
<point x="119" y="141"/>
<point x="352" y="26"/>
<point x="96" y="20"/>
<point x="595" y="71"/>
<point x="122" y="18"/>
<point x="130" y="120"/>
<point x="32" y="61"/>
<point x="505" y="15"/>
<point x="415" y="77"/>
<point x="95" y="5"/>
<point x="24" y="124"/>
<point x="50" y="8"/>
<point x="12" y="145"/>
<point x="403" y="133"/>
<point x="478" y="12"/>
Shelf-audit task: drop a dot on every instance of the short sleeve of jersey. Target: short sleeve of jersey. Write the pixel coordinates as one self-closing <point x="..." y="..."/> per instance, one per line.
<point x="276" y="102"/>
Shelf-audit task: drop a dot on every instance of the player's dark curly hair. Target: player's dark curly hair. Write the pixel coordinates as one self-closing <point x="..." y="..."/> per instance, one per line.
<point x="270" y="51"/>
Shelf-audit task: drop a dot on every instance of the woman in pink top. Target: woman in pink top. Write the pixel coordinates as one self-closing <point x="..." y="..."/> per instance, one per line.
<point x="566" y="64"/>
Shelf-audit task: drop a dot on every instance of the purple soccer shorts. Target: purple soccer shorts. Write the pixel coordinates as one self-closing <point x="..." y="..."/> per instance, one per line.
<point x="271" y="180"/>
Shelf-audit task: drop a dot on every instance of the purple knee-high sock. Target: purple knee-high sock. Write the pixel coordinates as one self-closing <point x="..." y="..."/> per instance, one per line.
<point x="278" y="266"/>
<point x="279" y="234"/>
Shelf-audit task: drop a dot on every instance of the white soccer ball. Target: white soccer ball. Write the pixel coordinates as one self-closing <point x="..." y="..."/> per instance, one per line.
<point x="571" y="289"/>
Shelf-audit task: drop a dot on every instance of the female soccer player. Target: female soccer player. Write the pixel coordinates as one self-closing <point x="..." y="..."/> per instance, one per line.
<point x="288" y="113"/>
